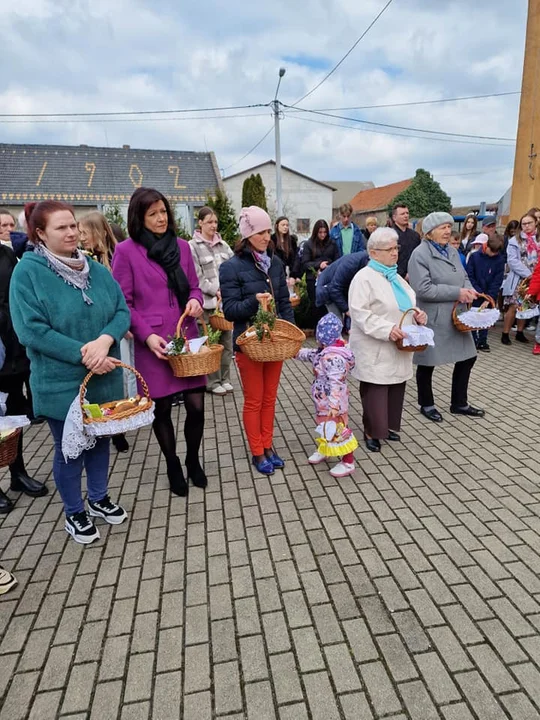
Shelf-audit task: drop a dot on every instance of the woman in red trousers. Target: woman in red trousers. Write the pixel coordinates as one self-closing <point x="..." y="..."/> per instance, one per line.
<point x="252" y="275"/>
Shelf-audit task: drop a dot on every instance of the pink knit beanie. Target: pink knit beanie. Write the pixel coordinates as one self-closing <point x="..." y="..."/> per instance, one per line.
<point x="254" y="220"/>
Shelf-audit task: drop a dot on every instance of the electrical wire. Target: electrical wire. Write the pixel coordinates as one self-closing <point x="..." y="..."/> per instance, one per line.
<point x="249" y="151"/>
<point x="401" y="127"/>
<point x="333" y="70"/>
<point x="395" y="134"/>
<point x="418" y="102"/>
<point x="128" y="120"/>
<point x="132" y="112"/>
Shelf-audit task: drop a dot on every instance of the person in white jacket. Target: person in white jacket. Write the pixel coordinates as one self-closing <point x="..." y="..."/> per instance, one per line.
<point x="378" y="297"/>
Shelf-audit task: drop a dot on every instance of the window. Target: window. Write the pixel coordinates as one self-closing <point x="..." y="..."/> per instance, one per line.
<point x="302" y="225"/>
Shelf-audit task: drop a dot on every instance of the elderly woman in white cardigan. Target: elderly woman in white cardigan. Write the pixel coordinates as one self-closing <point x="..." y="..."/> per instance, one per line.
<point x="378" y="297"/>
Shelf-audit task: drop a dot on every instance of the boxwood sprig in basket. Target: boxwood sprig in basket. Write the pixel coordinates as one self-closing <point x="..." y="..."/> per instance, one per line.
<point x="265" y="319"/>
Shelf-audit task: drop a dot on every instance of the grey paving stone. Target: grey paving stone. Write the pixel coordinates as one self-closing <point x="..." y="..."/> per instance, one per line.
<point x="197" y="668"/>
<point x="321" y="699"/>
<point x="397" y="658"/>
<point x="275" y="632"/>
<point x="492" y="669"/>
<point x="114" y="658"/>
<point x="379" y="688"/>
<point x="297" y="711"/>
<point x="167" y="696"/>
<point x="227" y="688"/>
<point x="519" y="707"/>
<point x="260" y="704"/>
<point x="196" y="624"/>
<point x="417" y="701"/>
<point x="342" y="668"/>
<point x="437" y="678"/>
<point x="36" y="650"/>
<point x="136" y="711"/>
<point x="198" y="706"/>
<point x="19" y="697"/>
<point x="223" y="641"/>
<point x="307" y="649"/>
<point x="478" y="695"/>
<point x="355" y="707"/>
<point x="57" y="668"/>
<point x="247" y="616"/>
<point x="254" y="665"/>
<point x="79" y="690"/>
<point x="45" y="706"/>
<point x="106" y="700"/>
<point x="285" y="678"/>
<point x="139" y="677"/>
<point x="169" y="656"/>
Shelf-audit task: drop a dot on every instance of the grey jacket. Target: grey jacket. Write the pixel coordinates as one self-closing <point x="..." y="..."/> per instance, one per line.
<point x="437" y="280"/>
<point x="207" y="259"/>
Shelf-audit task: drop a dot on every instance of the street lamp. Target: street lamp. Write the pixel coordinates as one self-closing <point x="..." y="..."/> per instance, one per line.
<point x="275" y="106"/>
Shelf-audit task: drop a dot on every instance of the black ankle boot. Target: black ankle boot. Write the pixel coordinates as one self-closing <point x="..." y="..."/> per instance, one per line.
<point x="6" y="504"/>
<point x="177" y="481"/>
<point x="195" y="473"/>
<point x="22" y="482"/>
<point x="520" y="337"/>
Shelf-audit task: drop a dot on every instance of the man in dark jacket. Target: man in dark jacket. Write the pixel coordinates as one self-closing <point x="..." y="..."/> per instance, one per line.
<point x="407" y="239"/>
<point x="347" y="236"/>
<point x="333" y="283"/>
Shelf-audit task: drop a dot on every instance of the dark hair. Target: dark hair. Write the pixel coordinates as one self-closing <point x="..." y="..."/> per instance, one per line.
<point x="204" y="212"/>
<point x="139" y="203"/>
<point x="28" y="210"/>
<point x="118" y="232"/>
<point x="532" y="212"/>
<point x="39" y="217"/>
<point x="316" y="243"/>
<point x="397" y="206"/>
<point x="283" y="243"/>
<point x="474" y="229"/>
<point x="511" y="228"/>
<point x="495" y="243"/>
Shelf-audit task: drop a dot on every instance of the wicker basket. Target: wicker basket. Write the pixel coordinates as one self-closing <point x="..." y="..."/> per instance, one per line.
<point x="201" y="363"/>
<point x="218" y="322"/>
<point x="130" y="412"/>
<point x="455" y="317"/>
<point x="8" y="448"/>
<point x="399" y="343"/>
<point x="522" y="289"/>
<point x="281" y="343"/>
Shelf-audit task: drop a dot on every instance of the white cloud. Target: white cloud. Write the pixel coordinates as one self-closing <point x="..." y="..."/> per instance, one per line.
<point x="106" y="55"/>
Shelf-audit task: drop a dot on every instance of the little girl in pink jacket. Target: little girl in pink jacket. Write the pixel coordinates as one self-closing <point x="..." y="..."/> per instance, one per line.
<point x="332" y="363"/>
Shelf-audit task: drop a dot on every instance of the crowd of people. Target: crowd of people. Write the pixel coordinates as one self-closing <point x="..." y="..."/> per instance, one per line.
<point x="77" y="297"/>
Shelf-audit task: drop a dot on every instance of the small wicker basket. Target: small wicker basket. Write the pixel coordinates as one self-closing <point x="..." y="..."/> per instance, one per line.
<point x="218" y="322"/>
<point x="124" y="414"/>
<point x="399" y="343"/>
<point x="194" y="365"/>
<point x="461" y="326"/>
<point x="8" y="448"/>
<point x="283" y="342"/>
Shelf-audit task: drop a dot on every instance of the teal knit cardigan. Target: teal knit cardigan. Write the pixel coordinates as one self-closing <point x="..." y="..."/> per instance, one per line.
<point x="53" y="322"/>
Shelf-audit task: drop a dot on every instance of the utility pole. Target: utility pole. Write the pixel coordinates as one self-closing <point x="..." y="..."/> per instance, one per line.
<point x="526" y="184"/>
<point x="275" y="107"/>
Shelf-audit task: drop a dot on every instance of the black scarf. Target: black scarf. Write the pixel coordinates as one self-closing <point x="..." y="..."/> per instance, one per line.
<point x="164" y="250"/>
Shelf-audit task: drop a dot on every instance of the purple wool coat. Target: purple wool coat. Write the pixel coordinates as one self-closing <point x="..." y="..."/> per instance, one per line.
<point x="154" y="309"/>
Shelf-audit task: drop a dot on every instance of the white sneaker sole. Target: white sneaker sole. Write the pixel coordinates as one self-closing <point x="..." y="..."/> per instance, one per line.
<point x="346" y="473"/>
<point x="80" y="538"/>
<point x="108" y="518"/>
<point x="316" y="462"/>
<point x="7" y="586"/>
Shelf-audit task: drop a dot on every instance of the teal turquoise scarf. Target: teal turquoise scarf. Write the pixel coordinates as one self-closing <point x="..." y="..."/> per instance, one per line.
<point x="390" y="273"/>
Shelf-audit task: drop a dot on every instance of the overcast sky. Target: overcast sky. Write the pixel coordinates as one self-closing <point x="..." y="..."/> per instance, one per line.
<point x="120" y="55"/>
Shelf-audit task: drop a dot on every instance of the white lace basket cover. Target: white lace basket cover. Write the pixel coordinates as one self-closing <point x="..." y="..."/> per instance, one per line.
<point x="417" y="335"/>
<point x="478" y="318"/>
<point x="79" y="436"/>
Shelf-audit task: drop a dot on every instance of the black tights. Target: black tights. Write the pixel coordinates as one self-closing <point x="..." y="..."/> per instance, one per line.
<point x="193" y="426"/>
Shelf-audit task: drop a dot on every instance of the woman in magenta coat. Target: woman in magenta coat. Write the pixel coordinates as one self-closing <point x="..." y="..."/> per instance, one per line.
<point x="156" y="273"/>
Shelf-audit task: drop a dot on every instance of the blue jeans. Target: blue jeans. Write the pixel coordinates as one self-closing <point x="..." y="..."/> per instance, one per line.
<point x="480" y="337"/>
<point x="67" y="475"/>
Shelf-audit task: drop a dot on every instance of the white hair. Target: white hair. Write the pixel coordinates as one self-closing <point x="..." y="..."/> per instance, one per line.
<point x="21" y="219"/>
<point x="381" y="238"/>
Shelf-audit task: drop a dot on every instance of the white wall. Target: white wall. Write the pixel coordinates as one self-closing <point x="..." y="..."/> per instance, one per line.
<point x="302" y="198"/>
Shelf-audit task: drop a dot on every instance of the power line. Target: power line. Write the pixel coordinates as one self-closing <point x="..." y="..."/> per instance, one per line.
<point x="476" y="172"/>
<point x="132" y="112"/>
<point x="250" y="151"/>
<point x="127" y="120"/>
<point x="401" y="127"/>
<point x="333" y="70"/>
<point x="419" y="102"/>
<point x="395" y="134"/>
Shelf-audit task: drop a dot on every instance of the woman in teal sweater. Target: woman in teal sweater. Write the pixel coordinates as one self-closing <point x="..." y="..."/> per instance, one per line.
<point x="70" y="314"/>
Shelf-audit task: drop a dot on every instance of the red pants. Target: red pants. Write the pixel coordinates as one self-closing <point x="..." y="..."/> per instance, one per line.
<point x="260" y="382"/>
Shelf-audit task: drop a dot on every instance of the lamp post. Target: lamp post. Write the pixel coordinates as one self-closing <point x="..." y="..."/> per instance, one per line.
<point x="275" y="106"/>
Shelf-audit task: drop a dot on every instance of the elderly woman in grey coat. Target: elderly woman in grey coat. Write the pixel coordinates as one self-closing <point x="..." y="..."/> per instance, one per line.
<point x="438" y="279"/>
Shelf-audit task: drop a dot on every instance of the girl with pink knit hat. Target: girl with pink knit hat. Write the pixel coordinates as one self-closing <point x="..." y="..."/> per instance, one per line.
<point x="252" y="275"/>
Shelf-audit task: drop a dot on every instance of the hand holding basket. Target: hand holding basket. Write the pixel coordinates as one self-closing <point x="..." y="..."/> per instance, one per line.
<point x="399" y="343"/>
<point x="462" y="326"/>
<point x="218" y="322"/>
<point x="282" y="342"/>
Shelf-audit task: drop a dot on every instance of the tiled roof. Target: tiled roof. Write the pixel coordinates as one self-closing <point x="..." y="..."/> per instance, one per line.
<point x="378" y="198"/>
<point x="85" y="175"/>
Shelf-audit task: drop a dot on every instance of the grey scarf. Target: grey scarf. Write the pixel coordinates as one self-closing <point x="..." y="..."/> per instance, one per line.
<point x="74" y="271"/>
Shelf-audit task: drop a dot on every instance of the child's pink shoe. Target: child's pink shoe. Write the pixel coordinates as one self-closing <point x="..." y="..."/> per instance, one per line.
<point x="316" y="458"/>
<point x="342" y="469"/>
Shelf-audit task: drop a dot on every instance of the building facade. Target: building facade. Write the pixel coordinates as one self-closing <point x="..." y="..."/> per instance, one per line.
<point x="305" y="200"/>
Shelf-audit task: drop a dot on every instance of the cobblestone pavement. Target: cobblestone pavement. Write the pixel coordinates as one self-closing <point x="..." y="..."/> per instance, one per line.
<point x="410" y="590"/>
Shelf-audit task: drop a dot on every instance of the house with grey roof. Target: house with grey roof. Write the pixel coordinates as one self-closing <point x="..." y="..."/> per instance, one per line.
<point x="91" y="178"/>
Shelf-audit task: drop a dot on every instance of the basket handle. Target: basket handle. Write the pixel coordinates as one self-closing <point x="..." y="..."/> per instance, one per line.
<point x="119" y="364"/>
<point x="180" y="331"/>
<point x="412" y="309"/>
<point x="488" y="301"/>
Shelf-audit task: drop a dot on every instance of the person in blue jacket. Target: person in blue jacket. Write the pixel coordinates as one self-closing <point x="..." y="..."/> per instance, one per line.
<point x="485" y="269"/>
<point x="333" y="283"/>
<point x="346" y="234"/>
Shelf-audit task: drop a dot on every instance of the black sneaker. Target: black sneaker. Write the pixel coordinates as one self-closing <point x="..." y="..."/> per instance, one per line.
<point x="483" y="347"/>
<point x="81" y="528"/>
<point x="109" y="511"/>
